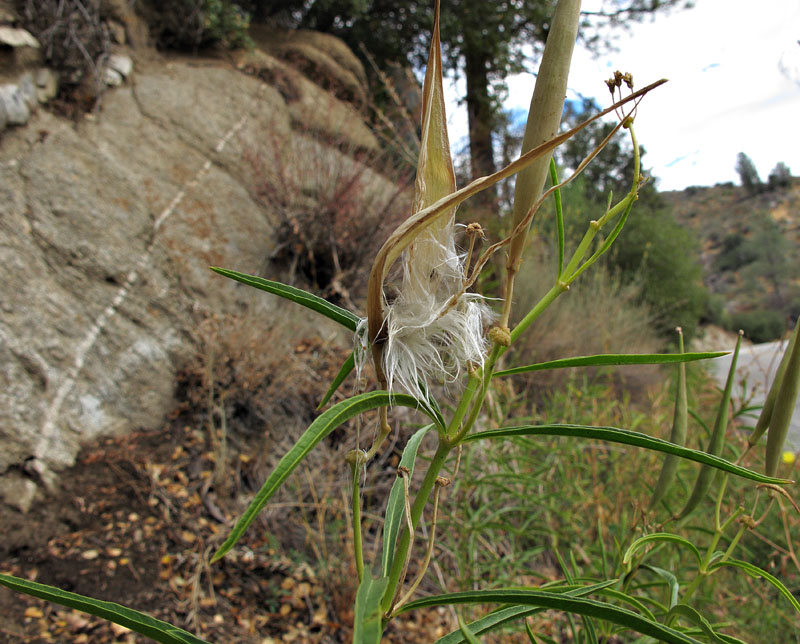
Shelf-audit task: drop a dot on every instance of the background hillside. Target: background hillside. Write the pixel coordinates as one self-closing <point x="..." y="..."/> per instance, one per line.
<point x="750" y="251"/>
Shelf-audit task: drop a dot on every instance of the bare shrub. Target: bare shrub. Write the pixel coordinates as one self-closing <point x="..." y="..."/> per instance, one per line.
<point x="332" y="210"/>
<point x="75" y="41"/>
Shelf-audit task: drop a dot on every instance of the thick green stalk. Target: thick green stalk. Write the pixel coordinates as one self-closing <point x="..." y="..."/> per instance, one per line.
<point x="544" y="118"/>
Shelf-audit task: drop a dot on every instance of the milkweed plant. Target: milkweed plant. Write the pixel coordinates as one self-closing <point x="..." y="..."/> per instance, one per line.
<point x="436" y="334"/>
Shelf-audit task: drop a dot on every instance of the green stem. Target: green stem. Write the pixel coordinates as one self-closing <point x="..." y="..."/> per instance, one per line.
<point x="463" y="405"/>
<point x="537" y="310"/>
<point x="701" y="575"/>
<point x="718" y="505"/>
<point x="702" y="572"/>
<point x="731" y="519"/>
<point x="356" y="502"/>
<point x="420" y="501"/>
<point x="477" y="405"/>
<point x="734" y="543"/>
<point x="582" y="249"/>
<point x="710" y="552"/>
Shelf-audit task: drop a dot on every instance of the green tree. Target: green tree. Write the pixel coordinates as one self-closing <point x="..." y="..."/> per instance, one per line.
<point x="780" y="177"/>
<point x="483" y="41"/>
<point x="748" y="175"/>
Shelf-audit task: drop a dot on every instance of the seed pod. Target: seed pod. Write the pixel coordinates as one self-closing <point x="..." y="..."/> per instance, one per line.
<point x="705" y="476"/>
<point x="544" y="116"/>
<point x="680" y="422"/>
<point x="769" y="402"/>
<point x="784" y="406"/>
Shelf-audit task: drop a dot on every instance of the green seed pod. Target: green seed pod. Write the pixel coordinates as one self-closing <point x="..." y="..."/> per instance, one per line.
<point x="769" y="401"/>
<point x="680" y="422"/>
<point x="784" y="406"/>
<point x="706" y="475"/>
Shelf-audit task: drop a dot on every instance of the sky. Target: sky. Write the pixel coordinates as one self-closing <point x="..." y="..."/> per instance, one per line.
<point x="734" y="86"/>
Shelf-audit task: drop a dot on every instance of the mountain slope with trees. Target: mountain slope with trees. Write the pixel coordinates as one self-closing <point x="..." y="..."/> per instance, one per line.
<point x="750" y="248"/>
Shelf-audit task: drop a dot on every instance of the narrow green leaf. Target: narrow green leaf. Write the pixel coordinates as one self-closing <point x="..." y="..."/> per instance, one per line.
<point x="304" y="298"/>
<point x="730" y="639"/>
<point x="133" y="619"/>
<point x="700" y="421"/>
<point x="613" y="359"/>
<point x="395" y="506"/>
<point x="498" y="618"/>
<point x="756" y="572"/>
<point x="669" y="579"/>
<point x="559" y="217"/>
<point x="367" y="623"/>
<point x="657" y="537"/>
<point x="562" y="602"/>
<point x="469" y="636"/>
<point x="687" y="612"/>
<point x="607" y="243"/>
<point x="568" y="576"/>
<point x="627" y="437"/>
<point x="347" y="367"/>
<point x="588" y="627"/>
<point x="319" y="429"/>
<point x="630" y="600"/>
<point x="530" y="634"/>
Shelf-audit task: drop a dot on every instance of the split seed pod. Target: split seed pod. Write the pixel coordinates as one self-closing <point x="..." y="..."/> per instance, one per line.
<point x="422" y="342"/>
<point x="423" y="335"/>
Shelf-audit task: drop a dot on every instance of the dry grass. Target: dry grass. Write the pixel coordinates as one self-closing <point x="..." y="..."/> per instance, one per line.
<point x="253" y="389"/>
<point x="598" y="314"/>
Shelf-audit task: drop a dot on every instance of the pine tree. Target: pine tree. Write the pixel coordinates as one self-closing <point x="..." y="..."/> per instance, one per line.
<point x="748" y="174"/>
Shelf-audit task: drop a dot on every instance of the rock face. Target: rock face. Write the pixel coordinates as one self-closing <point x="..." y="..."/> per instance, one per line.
<point x="107" y="229"/>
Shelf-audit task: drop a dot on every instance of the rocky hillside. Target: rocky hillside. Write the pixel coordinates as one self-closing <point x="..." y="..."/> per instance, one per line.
<point x="750" y="251"/>
<point x="108" y="224"/>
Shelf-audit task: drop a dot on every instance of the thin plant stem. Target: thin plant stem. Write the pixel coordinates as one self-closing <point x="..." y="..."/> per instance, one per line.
<point x="404" y="473"/>
<point x="477" y="404"/>
<point x="540" y="307"/>
<point x="356" y="461"/>
<point x="404" y="543"/>
<point x="559" y="217"/>
<point x="384" y="429"/>
<point x="440" y="483"/>
<point x="463" y="405"/>
<point x="734" y="542"/>
<point x="718" y="505"/>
